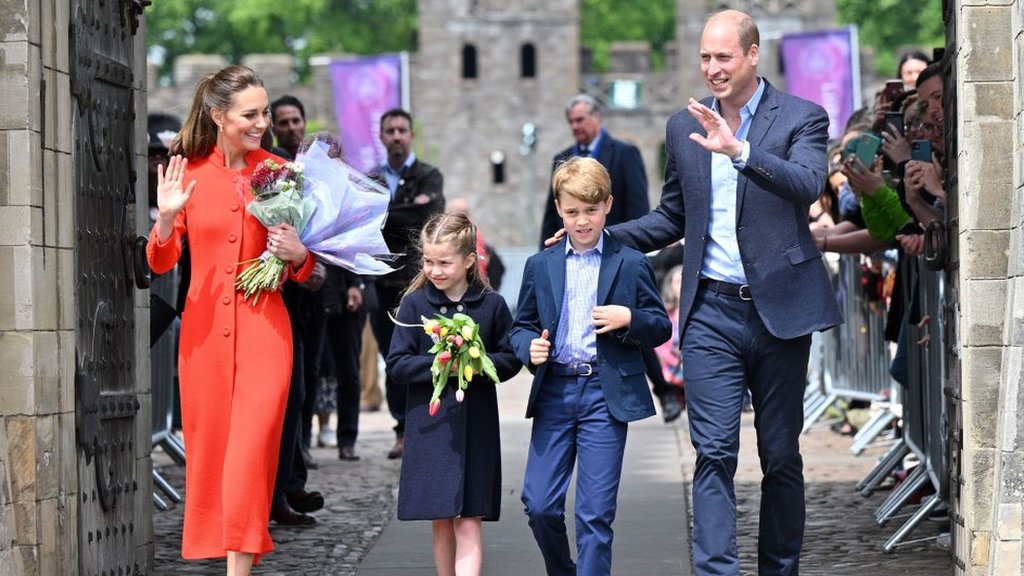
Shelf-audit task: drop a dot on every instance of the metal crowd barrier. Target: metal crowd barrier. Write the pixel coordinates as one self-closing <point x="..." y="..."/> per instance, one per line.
<point x="162" y="371"/>
<point x="924" y="411"/>
<point x="923" y="403"/>
<point x="855" y="358"/>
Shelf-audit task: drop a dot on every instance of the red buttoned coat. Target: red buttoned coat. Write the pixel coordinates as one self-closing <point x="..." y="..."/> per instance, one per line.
<point x="234" y="364"/>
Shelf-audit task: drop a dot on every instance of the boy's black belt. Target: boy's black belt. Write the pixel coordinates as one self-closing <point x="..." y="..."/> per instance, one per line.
<point x="577" y="369"/>
<point x="741" y="291"/>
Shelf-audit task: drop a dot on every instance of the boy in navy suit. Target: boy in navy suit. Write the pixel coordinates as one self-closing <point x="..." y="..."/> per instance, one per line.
<point x="587" y="307"/>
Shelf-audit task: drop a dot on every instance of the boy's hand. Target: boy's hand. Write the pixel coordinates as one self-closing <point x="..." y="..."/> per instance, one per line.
<point x="608" y="318"/>
<point x="540" y="348"/>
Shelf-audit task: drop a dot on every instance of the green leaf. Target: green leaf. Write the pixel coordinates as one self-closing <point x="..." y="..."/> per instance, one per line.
<point x="488" y="368"/>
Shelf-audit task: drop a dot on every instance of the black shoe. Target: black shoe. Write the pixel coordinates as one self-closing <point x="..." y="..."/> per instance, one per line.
<point x="285" y="515"/>
<point x="302" y="501"/>
<point x="670" y="408"/>
<point x="397" y="449"/>
<point x="348" y="453"/>
<point x="308" y="459"/>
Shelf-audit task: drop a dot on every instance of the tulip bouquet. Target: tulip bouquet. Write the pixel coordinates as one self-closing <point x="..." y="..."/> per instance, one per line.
<point x="458" y="352"/>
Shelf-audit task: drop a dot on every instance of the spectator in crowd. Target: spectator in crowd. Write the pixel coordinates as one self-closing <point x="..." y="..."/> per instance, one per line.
<point x="292" y="502"/>
<point x="345" y="318"/>
<point x="910" y="65"/>
<point x="491" y="267"/>
<point x="417" y="192"/>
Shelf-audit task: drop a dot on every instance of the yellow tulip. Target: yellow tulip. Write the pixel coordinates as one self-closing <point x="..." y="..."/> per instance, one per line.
<point x="467" y="373"/>
<point x="467" y="332"/>
<point x="474" y="352"/>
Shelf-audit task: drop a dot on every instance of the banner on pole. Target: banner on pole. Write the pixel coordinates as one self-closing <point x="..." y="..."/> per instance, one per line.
<point x="824" y="67"/>
<point x="365" y="88"/>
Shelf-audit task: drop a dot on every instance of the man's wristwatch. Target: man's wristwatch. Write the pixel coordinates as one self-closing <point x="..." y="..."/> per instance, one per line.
<point x="738" y="157"/>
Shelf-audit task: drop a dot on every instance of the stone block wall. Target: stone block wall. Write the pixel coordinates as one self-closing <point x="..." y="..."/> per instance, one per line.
<point x="989" y="65"/>
<point x="38" y="475"/>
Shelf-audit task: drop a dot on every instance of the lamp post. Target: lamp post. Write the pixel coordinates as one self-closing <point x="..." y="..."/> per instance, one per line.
<point x="526" y="150"/>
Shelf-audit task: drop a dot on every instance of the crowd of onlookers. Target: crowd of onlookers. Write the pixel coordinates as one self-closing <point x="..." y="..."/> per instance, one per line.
<point x="885" y="189"/>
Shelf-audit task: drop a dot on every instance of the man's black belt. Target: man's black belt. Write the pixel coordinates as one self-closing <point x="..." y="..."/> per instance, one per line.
<point x="741" y="291"/>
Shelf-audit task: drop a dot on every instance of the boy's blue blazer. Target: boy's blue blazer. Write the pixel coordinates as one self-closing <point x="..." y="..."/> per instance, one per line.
<point x="626" y="279"/>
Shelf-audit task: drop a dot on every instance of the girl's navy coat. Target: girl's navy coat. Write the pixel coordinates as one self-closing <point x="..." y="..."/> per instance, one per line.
<point x="452" y="461"/>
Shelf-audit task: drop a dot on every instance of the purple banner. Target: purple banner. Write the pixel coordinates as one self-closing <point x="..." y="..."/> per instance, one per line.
<point x="365" y="88"/>
<point x="824" y="67"/>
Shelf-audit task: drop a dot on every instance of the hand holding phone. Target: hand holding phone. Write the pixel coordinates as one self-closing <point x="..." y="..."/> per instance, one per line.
<point x="866" y="148"/>
<point x="893" y="91"/>
<point x="921" y="150"/>
<point x="894" y="123"/>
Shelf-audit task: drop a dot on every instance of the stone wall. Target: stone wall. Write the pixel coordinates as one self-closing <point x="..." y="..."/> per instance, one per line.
<point x="990" y="66"/>
<point x="38" y="473"/>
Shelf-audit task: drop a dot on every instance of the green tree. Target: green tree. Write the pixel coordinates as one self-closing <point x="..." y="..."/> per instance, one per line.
<point x="607" y="21"/>
<point x="889" y="26"/>
<point x="235" y="28"/>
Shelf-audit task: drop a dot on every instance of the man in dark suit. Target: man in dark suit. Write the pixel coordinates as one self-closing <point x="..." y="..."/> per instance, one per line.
<point x="743" y="168"/>
<point x="622" y="160"/>
<point x="417" y="193"/>
<point x="625" y="165"/>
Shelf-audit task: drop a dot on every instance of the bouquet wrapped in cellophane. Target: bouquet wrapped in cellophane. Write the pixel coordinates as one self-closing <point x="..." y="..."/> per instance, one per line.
<point x="337" y="211"/>
<point x="458" y="351"/>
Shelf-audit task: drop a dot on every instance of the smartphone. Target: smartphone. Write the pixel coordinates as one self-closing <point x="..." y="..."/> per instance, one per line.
<point x="867" y="145"/>
<point x="893" y="90"/>
<point x="921" y="150"/>
<point x="895" y="120"/>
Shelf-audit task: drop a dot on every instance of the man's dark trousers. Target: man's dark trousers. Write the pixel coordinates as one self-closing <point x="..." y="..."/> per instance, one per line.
<point x="389" y="296"/>
<point x="725" y="348"/>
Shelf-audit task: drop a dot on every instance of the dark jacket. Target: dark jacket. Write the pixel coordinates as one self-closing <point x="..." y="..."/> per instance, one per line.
<point x="782" y="177"/>
<point x="625" y="279"/>
<point x="406" y="218"/>
<point x="452" y="460"/>
<point x="625" y="165"/>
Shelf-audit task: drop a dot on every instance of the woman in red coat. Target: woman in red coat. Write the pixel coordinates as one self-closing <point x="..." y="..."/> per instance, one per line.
<point x="234" y="358"/>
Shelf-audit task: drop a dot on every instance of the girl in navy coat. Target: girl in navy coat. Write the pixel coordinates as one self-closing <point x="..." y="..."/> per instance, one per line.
<point x="451" y="469"/>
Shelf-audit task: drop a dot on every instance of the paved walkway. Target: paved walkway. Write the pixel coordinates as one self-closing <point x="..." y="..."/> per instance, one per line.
<point x="357" y="532"/>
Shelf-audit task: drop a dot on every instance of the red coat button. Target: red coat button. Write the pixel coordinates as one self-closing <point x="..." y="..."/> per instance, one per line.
<point x="234" y="207"/>
<point x="232" y="237"/>
<point x="226" y="300"/>
<point x="229" y="268"/>
<point x="227" y="332"/>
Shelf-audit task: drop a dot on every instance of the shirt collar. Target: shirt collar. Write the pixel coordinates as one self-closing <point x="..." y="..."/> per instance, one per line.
<point x="599" y="247"/>
<point x="750" y="108"/>
<point x="405" y="166"/>
<point x="594" y="145"/>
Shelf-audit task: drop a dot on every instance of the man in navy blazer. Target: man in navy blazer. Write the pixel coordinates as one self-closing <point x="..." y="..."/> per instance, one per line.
<point x="743" y="167"/>
<point x="623" y="161"/>
<point x="586" y="308"/>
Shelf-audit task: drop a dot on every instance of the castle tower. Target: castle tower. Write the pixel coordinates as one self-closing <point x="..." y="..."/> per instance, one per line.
<point x="483" y="70"/>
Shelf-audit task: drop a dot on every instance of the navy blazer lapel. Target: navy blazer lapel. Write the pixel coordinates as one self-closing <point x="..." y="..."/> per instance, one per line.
<point x="767" y="111"/>
<point x="556" y="273"/>
<point x="610" y="262"/>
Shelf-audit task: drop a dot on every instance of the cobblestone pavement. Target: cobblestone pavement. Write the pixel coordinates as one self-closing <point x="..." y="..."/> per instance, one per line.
<point x="841" y="538"/>
<point x="359" y="502"/>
